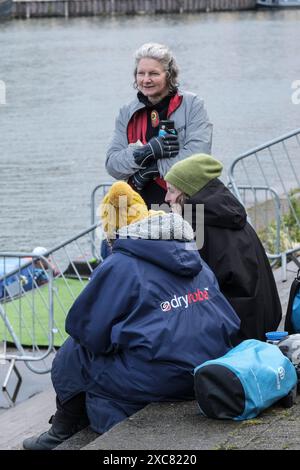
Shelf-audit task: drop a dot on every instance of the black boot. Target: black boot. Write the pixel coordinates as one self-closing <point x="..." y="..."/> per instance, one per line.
<point x="69" y="418"/>
<point x="59" y="432"/>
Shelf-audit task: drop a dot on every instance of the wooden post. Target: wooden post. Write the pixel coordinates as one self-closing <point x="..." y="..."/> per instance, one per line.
<point x="112" y="7"/>
<point x="66" y="7"/>
<point x="27" y="10"/>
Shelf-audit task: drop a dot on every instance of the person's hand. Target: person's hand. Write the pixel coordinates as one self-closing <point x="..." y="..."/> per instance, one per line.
<point x="143" y="156"/>
<point x="166" y="146"/>
<point x="142" y="177"/>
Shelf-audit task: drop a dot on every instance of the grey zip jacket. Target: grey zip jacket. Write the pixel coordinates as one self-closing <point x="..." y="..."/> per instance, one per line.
<point x="194" y="134"/>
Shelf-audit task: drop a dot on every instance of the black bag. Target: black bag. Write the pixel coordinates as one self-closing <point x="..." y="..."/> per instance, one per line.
<point x="292" y="318"/>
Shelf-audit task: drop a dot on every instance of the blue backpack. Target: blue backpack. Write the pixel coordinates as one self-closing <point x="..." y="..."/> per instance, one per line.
<point x="245" y="381"/>
<point x="292" y="318"/>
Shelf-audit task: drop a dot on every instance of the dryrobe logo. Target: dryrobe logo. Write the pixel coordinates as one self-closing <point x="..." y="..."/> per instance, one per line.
<point x="280" y="376"/>
<point x="185" y="300"/>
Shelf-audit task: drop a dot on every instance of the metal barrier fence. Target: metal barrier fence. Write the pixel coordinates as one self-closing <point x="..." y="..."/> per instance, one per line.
<point x="266" y="180"/>
<point x="36" y="293"/>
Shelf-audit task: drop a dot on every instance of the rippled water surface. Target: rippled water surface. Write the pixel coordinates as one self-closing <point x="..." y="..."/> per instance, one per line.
<point x="66" y="79"/>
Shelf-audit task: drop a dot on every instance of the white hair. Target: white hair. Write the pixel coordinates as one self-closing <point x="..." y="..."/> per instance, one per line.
<point x="162" y="54"/>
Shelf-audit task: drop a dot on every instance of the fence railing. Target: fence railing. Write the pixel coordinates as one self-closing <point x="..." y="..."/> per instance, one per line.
<point x="36" y="293"/>
<point x="266" y="180"/>
<point x="96" y="197"/>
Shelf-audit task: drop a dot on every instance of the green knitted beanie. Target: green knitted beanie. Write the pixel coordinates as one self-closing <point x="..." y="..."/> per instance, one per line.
<point x="193" y="173"/>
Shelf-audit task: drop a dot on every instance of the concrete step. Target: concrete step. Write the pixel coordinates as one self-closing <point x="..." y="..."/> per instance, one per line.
<point x="160" y="426"/>
<point x="26" y="419"/>
<point x="179" y="426"/>
<point x="79" y="440"/>
<point x="30" y="418"/>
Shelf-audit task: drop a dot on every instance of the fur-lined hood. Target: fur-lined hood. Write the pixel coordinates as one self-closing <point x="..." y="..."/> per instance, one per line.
<point x="164" y="240"/>
<point x="159" y="227"/>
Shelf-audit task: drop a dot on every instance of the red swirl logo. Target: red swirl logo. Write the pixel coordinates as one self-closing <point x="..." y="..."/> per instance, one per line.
<point x="165" y="306"/>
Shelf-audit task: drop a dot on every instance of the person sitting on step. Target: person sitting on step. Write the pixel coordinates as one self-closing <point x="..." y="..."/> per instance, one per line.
<point x="151" y="312"/>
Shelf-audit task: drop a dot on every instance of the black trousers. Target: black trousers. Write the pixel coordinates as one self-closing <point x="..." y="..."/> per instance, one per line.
<point x="73" y="410"/>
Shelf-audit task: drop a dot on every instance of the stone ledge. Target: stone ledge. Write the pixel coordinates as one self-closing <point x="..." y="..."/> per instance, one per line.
<point x="171" y="426"/>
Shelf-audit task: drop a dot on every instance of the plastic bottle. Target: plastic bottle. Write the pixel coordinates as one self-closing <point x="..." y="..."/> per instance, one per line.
<point x="274" y="337"/>
<point x="162" y="132"/>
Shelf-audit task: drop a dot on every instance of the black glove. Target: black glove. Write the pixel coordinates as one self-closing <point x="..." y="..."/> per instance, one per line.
<point x="143" y="156"/>
<point x="142" y="177"/>
<point x="166" y="146"/>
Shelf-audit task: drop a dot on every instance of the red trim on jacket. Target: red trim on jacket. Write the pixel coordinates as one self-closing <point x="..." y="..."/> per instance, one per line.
<point x="137" y="128"/>
<point x="175" y="102"/>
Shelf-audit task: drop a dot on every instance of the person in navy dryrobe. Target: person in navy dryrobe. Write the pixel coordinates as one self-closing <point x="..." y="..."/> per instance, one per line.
<point x="151" y="313"/>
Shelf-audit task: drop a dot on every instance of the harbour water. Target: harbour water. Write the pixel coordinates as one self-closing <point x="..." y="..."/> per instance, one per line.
<point x="65" y="80"/>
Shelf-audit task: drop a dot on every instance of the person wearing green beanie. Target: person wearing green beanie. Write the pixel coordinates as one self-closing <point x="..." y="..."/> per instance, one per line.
<point x="193" y="173"/>
<point x="231" y="246"/>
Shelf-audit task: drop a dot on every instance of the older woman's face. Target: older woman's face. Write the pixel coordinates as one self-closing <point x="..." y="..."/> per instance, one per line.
<point x="172" y="197"/>
<point x="151" y="79"/>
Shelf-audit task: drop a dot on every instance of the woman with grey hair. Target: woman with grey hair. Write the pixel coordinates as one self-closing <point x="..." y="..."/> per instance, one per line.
<point x="137" y="153"/>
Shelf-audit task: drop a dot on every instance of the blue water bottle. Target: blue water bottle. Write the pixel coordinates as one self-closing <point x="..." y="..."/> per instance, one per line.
<point x="273" y="337"/>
